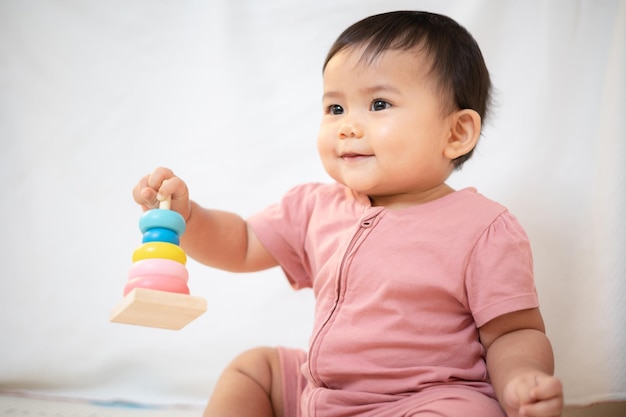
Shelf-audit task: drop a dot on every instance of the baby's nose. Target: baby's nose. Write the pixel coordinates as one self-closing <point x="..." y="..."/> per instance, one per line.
<point x="350" y="129"/>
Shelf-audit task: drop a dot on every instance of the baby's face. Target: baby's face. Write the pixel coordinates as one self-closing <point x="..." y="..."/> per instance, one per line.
<point x="383" y="131"/>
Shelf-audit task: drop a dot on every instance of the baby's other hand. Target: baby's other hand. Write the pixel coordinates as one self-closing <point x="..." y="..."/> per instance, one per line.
<point x="161" y="184"/>
<point x="533" y="395"/>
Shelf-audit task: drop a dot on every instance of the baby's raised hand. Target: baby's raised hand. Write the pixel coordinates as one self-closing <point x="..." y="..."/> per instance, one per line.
<point x="533" y="395"/>
<point x="160" y="185"/>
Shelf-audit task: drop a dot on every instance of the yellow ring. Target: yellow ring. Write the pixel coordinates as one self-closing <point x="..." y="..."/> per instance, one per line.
<point x="160" y="250"/>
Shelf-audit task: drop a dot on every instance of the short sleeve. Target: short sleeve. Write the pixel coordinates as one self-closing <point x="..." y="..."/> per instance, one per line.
<point x="282" y="230"/>
<point x="500" y="277"/>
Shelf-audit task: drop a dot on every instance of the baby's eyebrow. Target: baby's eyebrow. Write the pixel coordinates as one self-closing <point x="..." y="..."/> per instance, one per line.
<point x="331" y="95"/>
<point x="380" y="88"/>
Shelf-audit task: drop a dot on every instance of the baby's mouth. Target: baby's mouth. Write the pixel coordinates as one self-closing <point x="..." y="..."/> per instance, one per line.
<point x="351" y="156"/>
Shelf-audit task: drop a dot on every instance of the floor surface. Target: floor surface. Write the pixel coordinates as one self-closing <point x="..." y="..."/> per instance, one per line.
<point x="20" y="405"/>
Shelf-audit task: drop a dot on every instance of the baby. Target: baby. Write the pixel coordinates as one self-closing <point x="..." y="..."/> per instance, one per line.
<point x="425" y="301"/>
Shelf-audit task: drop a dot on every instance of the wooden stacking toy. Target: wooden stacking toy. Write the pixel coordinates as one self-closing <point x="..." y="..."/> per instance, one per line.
<point x="156" y="294"/>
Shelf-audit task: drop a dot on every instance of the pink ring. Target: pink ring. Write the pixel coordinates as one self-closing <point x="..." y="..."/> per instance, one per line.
<point x="158" y="266"/>
<point x="157" y="282"/>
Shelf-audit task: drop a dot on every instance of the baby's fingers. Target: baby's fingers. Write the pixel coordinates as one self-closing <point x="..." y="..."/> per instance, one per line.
<point x="162" y="185"/>
<point x="544" y="408"/>
<point x="144" y="195"/>
<point x="158" y="176"/>
<point x="148" y="198"/>
<point x="173" y="188"/>
<point x="158" y="186"/>
<point x="547" y="387"/>
<point x="547" y="397"/>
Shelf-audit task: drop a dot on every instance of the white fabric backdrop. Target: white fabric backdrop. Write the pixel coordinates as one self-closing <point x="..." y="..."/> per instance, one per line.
<point x="95" y="94"/>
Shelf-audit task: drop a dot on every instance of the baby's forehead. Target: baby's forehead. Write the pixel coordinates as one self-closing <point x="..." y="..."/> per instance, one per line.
<point x="369" y="52"/>
<point x="407" y="67"/>
<point x="361" y="57"/>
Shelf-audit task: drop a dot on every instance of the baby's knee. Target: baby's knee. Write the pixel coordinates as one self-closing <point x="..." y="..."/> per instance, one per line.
<point x="261" y="364"/>
<point x="250" y="385"/>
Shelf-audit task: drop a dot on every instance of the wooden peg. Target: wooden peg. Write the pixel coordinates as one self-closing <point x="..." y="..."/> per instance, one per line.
<point x="166" y="203"/>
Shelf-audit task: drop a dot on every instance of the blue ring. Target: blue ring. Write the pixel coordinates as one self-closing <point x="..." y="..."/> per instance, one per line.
<point x="159" y="234"/>
<point x="162" y="219"/>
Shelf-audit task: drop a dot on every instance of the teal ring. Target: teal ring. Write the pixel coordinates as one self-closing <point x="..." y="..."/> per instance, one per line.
<point x="160" y="234"/>
<point x="162" y="219"/>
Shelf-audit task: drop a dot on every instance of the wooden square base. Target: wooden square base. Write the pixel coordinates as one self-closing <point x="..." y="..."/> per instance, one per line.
<point x="165" y="310"/>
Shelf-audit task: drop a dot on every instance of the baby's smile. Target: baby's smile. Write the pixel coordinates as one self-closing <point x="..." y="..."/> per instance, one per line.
<point x="354" y="157"/>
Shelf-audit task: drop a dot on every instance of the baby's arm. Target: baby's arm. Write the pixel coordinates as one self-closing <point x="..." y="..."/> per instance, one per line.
<point x="216" y="238"/>
<point x="521" y="363"/>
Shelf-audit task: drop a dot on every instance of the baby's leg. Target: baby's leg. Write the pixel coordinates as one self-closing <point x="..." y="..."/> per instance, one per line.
<point x="250" y="386"/>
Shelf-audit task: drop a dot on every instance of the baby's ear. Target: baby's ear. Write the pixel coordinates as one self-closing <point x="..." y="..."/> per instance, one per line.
<point x="464" y="133"/>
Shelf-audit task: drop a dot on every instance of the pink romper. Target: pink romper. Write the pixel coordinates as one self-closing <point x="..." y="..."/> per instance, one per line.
<point x="400" y="295"/>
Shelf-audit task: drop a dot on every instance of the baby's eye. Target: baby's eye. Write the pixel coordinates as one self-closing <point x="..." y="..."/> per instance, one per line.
<point x="378" y="105"/>
<point x="335" y="109"/>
